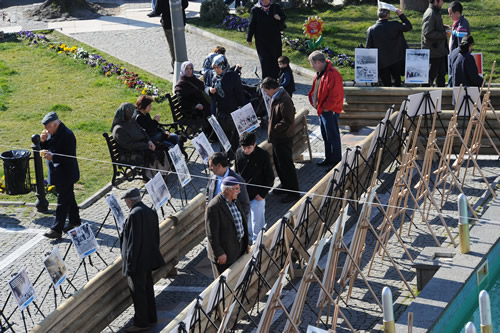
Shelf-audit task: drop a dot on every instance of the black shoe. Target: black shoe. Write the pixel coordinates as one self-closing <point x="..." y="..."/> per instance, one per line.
<point x="324" y="163"/>
<point x="153" y="14"/>
<point x="52" y="234"/>
<point x="290" y="198"/>
<point x="69" y="227"/>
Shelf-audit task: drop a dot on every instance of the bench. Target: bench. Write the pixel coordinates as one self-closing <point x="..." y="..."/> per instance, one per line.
<point x="187" y="126"/>
<point x="128" y="172"/>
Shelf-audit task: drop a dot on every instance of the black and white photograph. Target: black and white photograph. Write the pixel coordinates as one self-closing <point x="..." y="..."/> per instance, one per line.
<point x="417" y="66"/>
<point x="158" y="190"/>
<point x="220" y="133"/>
<point x="22" y="289"/>
<point x="116" y="210"/>
<point x="245" y="119"/>
<point x="416" y="106"/>
<point x="84" y="240"/>
<point x="54" y="264"/>
<point x="466" y="100"/>
<point x="366" y="65"/>
<point x="180" y="165"/>
<point x="385" y="5"/>
<point x="202" y="146"/>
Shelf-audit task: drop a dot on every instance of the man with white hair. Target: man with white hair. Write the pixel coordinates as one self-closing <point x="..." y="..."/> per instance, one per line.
<point x="140" y="249"/>
<point x="387" y="36"/>
<point x="226" y="226"/>
<point x="59" y="144"/>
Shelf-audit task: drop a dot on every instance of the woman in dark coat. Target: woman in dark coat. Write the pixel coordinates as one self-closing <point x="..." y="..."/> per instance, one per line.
<point x="265" y="21"/>
<point x="228" y="94"/>
<point x="190" y="92"/>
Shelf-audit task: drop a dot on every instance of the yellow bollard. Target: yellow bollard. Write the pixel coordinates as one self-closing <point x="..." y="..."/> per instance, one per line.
<point x="463" y="224"/>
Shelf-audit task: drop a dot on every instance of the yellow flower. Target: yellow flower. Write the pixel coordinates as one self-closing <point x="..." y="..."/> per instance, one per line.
<point x="51" y="188"/>
<point x="63" y="46"/>
<point x="107" y="73"/>
<point x="51" y="46"/>
<point x="144" y="91"/>
<point x="60" y="52"/>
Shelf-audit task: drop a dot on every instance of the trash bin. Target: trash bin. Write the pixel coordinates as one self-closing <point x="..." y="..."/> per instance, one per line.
<point x="16" y="169"/>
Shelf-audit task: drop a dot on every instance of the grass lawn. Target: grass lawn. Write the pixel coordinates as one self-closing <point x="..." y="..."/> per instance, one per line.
<point x="34" y="81"/>
<point x="346" y="28"/>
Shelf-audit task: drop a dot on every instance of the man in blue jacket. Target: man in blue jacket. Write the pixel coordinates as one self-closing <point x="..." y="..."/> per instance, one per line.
<point x="59" y="144"/>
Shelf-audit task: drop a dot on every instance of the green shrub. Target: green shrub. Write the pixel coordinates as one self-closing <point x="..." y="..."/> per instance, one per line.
<point x="213" y="10"/>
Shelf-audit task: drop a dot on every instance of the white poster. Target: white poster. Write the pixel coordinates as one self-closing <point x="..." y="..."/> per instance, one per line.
<point x="56" y="268"/>
<point x="245" y="119"/>
<point x="158" y="190"/>
<point x="180" y="165"/>
<point x="84" y="240"/>
<point x="202" y="146"/>
<point x="22" y="289"/>
<point x="422" y="104"/>
<point x="417" y="66"/>
<point x="466" y="100"/>
<point x="366" y="65"/>
<point x="220" y="133"/>
<point x="385" y="5"/>
<point x="312" y="329"/>
<point x="116" y="210"/>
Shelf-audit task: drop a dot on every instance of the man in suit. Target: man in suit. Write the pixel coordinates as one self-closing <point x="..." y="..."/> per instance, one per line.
<point x="219" y="165"/>
<point x="226" y="226"/>
<point x="140" y="249"/>
<point x="59" y="144"/>
<point x="387" y="36"/>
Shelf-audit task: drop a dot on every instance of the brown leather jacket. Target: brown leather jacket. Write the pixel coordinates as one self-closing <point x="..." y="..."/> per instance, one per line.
<point x="282" y="120"/>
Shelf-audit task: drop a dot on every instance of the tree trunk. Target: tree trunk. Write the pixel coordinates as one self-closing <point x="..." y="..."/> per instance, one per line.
<point x="418" y="5"/>
<point x="51" y="9"/>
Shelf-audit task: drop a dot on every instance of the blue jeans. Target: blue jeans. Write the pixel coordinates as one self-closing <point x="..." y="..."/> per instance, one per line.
<point x="153" y="5"/>
<point x="257" y="218"/>
<point x="171" y="141"/>
<point x="331" y="136"/>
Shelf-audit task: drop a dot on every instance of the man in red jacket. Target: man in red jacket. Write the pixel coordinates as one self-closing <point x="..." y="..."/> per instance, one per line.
<point x="327" y="97"/>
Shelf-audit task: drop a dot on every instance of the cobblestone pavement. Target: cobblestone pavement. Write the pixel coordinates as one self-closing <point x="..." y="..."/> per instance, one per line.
<point x="21" y="228"/>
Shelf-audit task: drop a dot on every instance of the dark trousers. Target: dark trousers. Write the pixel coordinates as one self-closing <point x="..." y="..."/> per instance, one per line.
<point x="66" y="207"/>
<point x="268" y="57"/>
<point x="141" y="289"/>
<point x="170" y="42"/>
<point x="283" y="162"/>
<point x="331" y="136"/>
<point x="437" y="71"/>
<point x="389" y="73"/>
<point x="222" y="268"/>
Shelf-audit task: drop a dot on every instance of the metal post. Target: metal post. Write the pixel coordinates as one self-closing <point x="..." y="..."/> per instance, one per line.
<point x="463" y="224"/>
<point x="177" y="18"/>
<point x="389" y="324"/>
<point x="485" y="312"/>
<point x="470" y="328"/>
<point x="41" y="203"/>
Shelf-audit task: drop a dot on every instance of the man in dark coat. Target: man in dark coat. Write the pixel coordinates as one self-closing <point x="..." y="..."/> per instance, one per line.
<point x="254" y="165"/>
<point x="219" y="165"/>
<point x="163" y="8"/>
<point x="226" y="226"/>
<point x="434" y="38"/>
<point x="265" y="22"/>
<point x="387" y="36"/>
<point x="280" y="131"/>
<point x="463" y="65"/>
<point x="59" y="144"/>
<point x="140" y="249"/>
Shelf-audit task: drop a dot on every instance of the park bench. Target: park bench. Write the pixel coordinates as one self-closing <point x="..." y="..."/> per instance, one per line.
<point x="183" y="124"/>
<point x="128" y="172"/>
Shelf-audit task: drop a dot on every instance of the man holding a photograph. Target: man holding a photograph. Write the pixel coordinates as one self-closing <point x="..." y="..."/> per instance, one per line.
<point x="140" y="248"/>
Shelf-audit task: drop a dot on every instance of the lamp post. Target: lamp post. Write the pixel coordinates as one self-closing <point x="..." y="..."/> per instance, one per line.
<point x="41" y="204"/>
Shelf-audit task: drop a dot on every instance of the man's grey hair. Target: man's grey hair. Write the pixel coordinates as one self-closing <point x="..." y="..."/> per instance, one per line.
<point x="223" y="187"/>
<point x="382" y="13"/>
<point x="317" y="56"/>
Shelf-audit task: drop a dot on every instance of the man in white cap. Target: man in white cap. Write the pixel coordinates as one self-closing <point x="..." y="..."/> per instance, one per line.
<point x="226" y="226"/>
<point x="140" y="248"/>
<point x="59" y="144"/>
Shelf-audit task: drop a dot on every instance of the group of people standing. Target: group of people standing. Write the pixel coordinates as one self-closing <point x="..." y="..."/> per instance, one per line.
<point x="451" y="56"/>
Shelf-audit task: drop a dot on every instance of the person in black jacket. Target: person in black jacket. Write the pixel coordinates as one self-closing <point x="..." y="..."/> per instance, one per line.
<point x="387" y="36"/>
<point x="463" y="65"/>
<point x="254" y="165"/>
<point x="163" y="8"/>
<point x="227" y="92"/>
<point x="140" y="249"/>
<point x="191" y="94"/>
<point x="265" y="23"/>
<point x="144" y="105"/>
<point x="285" y="77"/>
<point x="59" y="144"/>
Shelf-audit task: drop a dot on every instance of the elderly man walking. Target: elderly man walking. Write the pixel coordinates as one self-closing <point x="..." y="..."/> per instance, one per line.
<point x="59" y="144"/>
<point x="226" y="226"/>
<point x="434" y="38"/>
<point x="140" y="248"/>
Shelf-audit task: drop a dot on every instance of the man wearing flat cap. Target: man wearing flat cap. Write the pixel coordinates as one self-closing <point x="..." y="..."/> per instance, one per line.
<point x="140" y="247"/>
<point x="59" y="144"/>
<point x="226" y="226"/>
